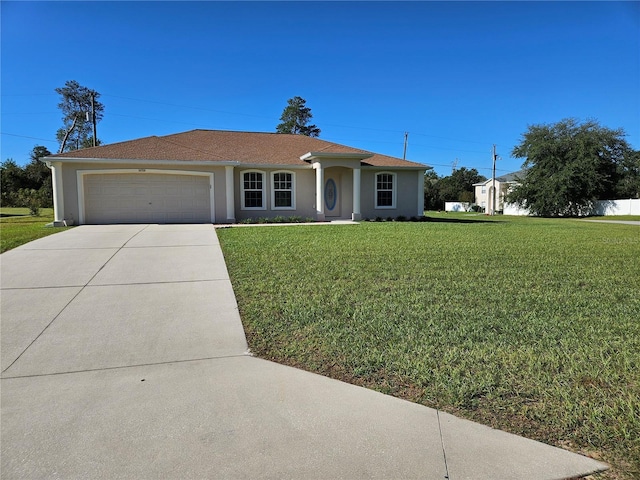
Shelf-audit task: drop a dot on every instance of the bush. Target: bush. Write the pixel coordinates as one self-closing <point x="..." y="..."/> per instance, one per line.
<point x="30" y="198"/>
<point x="277" y="219"/>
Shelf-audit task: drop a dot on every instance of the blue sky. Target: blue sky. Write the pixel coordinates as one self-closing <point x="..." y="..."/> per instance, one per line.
<point x="457" y="76"/>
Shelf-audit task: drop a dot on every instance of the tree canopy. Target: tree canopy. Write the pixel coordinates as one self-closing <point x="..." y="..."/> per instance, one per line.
<point x="75" y="104"/>
<point x="457" y="187"/>
<point x="28" y="186"/>
<point x="296" y="117"/>
<point x="570" y="165"/>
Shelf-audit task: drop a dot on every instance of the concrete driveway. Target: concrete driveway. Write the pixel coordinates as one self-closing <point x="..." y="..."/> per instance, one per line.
<point x="123" y="356"/>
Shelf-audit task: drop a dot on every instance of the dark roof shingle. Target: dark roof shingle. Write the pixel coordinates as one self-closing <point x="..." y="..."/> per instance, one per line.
<point x="221" y="145"/>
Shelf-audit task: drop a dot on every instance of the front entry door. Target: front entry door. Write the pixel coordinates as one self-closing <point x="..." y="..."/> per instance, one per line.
<point x="332" y="196"/>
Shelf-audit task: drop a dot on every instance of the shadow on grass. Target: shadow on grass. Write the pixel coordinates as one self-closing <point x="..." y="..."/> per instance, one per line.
<point x="6" y="215"/>
<point x="459" y="220"/>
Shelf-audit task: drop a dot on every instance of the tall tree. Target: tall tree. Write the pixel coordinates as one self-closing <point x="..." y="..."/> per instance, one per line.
<point x="296" y="117"/>
<point x="459" y="185"/>
<point x="39" y="176"/>
<point x="431" y="198"/>
<point x="628" y="185"/>
<point x="77" y="110"/>
<point x="570" y="165"/>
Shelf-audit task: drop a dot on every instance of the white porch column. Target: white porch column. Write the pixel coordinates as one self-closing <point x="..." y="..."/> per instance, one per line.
<point x="356" y="195"/>
<point x="58" y="194"/>
<point x="230" y="193"/>
<point x="319" y="191"/>
<point x="420" y="193"/>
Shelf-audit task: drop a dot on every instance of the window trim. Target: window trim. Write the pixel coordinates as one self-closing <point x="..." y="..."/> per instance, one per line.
<point x="394" y="189"/>
<point x="293" y="190"/>
<point x="242" y="190"/>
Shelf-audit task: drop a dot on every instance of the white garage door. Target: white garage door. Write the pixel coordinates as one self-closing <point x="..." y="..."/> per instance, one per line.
<point x="146" y="198"/>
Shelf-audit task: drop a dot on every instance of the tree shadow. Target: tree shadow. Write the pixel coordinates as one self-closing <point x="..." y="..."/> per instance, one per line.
<point x="459" y="220"/>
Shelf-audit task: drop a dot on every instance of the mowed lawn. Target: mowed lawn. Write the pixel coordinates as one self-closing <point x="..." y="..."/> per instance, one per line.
<point x="525" y="324"/>
<point x="17" y="227"/>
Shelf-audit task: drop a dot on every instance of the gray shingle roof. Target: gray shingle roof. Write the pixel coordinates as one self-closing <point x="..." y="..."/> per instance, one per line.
<point x="221" y="145"/>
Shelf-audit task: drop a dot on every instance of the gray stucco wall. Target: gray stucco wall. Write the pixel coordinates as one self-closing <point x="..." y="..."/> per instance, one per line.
<point x="407" y="190"/>
<point x="305" y="188"/>
<point x="407" y="194"/>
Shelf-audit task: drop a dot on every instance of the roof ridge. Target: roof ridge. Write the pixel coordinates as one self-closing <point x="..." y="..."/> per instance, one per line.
<point x="207" y="152"/>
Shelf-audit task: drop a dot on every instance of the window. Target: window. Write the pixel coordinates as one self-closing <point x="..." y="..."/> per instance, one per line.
<point x="253" y="191"/>
<point x="484" y="189"/>
<point x="283" y="191"/>
<point x="386" y="190"/>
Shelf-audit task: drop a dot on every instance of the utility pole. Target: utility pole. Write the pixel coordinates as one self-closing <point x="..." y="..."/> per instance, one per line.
<point x="454" y="164"/>
<point x="406" y="138"/>
<point x="493" y="182"/>
<point x="93" y="117"/>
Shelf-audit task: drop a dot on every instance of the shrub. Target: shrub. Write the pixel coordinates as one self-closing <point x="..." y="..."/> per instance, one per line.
<point x="30" y="198"/>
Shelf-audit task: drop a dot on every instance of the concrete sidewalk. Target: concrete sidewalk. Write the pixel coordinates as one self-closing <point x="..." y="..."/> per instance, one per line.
<point x="123" y="356"/>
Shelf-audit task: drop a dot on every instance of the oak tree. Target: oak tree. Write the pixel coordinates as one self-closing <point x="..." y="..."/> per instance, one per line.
<point x="569" y="166"/>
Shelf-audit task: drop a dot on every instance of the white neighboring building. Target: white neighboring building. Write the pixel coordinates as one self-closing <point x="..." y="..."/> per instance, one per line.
<point x="483" y="192"/>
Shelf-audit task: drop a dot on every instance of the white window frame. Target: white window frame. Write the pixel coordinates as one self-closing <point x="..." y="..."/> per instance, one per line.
<point x="242" y="190"/>
<point x="484" y="189"/>
<point x="394" y="189"/>
<point x="273" y="190"/>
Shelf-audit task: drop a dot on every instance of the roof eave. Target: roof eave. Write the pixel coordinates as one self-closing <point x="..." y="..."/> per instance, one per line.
<point x="394" y="167"/>
<point x="339" y="156"/>
<point x="124" y="161"/>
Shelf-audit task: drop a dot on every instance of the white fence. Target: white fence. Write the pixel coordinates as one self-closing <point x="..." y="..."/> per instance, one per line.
<point x="618" y="207"/>
<point x="513" y="209"/>
<point x="457" y="206"/>
<point x="603" y="207"/>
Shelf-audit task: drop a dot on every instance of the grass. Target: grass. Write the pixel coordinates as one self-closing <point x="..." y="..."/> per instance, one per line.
<point x="17" y="227"/>
<point x="528" y="325"/>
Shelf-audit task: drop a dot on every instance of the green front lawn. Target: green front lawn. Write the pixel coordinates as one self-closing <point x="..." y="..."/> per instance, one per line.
<point x="528" y="325"/>
<point x="17" y="227"/>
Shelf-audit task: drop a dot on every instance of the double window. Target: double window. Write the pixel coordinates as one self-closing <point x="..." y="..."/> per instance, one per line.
<point x="386" y="190"/>
<point x="253" y="190"/>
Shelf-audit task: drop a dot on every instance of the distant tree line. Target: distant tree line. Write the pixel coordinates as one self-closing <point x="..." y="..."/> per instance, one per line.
<point x="28" y="186"/>
<point x="457" y="187"/>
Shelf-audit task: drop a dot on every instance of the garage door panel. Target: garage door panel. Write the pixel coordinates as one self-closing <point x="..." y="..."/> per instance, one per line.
<point x="147" y="198"/>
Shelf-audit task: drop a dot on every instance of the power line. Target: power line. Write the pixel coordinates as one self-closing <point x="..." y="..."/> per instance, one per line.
<point x="277" y="119"/>
<point x="259" y="116"/>
<point x="25" y="136"/>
